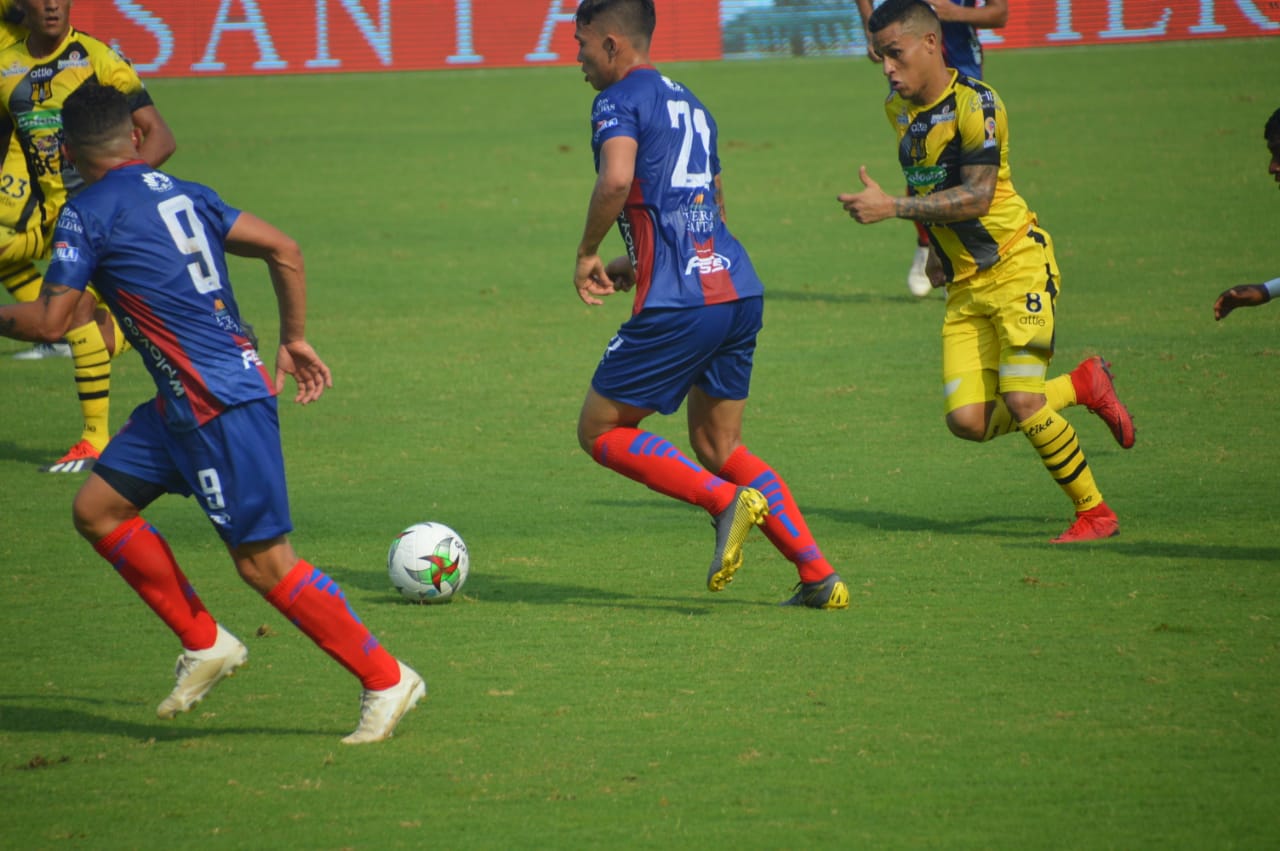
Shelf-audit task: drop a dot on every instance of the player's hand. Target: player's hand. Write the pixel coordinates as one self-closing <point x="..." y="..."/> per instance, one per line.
<point x="622" y="273"/>
<point x="1249" y="295"/>
<point x="312" y="376"/>
<point x="933" y="269"/>
<point x="870" y="205"/>
<point x="591" y="280"/>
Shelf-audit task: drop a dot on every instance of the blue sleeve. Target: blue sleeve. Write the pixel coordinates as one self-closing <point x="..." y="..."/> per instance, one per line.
<point x="73" y="258"/>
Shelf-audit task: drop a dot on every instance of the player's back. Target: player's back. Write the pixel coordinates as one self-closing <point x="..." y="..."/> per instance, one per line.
<point x="685" y="256"/>
<point x="154" y="248"/>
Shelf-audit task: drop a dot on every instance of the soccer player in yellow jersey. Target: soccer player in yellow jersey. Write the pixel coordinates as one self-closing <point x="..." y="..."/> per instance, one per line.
<point x="36" y="75"/>
<point x="998" y="264"/>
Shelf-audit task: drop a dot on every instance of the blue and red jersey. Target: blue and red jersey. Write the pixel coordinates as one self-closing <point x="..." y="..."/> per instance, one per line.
<point x="684" y="254"/>
<point x="153" y="246"/>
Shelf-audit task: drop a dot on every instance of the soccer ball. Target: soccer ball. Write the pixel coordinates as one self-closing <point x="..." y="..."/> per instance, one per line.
<point x="428" y="562"/>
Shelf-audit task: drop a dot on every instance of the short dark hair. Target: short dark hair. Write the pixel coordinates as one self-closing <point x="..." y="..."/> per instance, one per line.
<point x="907" y="12"/>
<point x="1272" y="130"/>
<point x="636" y="18"/>
<point x="94" y="114"/>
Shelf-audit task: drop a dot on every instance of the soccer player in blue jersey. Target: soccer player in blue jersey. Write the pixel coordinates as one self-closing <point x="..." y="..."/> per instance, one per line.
<point x="1252" y="295"/>
<point x="154" y="247"/>
<point x="961" y="20"/>
<point x="697" y="309"/>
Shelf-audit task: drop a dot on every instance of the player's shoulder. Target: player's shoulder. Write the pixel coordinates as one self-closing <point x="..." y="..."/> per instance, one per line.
<point x="977" y="95"/>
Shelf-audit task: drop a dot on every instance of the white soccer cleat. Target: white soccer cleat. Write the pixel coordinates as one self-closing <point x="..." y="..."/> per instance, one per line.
<point x="381" y="711"/>
<point x="41" y="351"/>
<point x="918" y="279"/>
<point x="198" y="671"/>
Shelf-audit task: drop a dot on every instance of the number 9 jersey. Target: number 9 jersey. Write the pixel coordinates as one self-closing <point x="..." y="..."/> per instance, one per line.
<point x="153" y="247"/>
<point x="684" y="254"/>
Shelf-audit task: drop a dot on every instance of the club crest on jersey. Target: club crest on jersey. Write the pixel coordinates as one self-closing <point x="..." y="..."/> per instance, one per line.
<point x="157" y="181"/>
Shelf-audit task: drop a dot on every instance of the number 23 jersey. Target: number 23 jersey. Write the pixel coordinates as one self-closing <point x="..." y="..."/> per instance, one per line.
<point x="684" y="254"/>
<point x="153" y="246"/>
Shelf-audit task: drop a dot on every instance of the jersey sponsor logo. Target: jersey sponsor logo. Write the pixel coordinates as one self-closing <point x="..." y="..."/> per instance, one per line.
<point x="41" y="73"/>
<point x="918" y="129"/>
<point x="15" y="69"/>
<point x="40" y="119"/>
<point x="157" y="181"/>
<point x="697" y="218"/>
<point x="69" y="219"/>
<point x="602" y="125"/>
<point x="250" y="358"/>
<point x="602" y="106"/>
<point x="921" y="176"/>
<point x="75" y="59"/>
<point x="945" y="114"/>
<point x="66" y="253"/>
<point x="707" y="263"/>
<point x="673" y="85"/>
<point x="152" y="352"/>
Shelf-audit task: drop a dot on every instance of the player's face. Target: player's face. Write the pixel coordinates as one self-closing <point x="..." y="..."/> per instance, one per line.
<point x="1273" y="145"/>
<point x="595" y="56"/>
<point x="912" y="63"/>
<point x="48" y="18"/>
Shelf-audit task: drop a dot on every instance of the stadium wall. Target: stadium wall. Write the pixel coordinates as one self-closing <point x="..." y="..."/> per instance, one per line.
<point x="181" y="38"/>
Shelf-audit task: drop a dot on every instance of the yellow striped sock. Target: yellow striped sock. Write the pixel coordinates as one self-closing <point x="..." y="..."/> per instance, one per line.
<point x="93" y="382"/>
<point x="1060" y="392"/>
<point x="1059" y="449"/>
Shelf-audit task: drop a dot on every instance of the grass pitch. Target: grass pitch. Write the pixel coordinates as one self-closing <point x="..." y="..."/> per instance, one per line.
<point x="985" y="690"/>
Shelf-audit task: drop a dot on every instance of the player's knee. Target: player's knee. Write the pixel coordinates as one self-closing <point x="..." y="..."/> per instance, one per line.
<point x="967" y="427"/>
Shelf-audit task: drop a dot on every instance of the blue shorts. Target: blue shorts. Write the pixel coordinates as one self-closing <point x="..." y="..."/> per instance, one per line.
<point x="232" y="463"/>
<point x="659" y="354"/>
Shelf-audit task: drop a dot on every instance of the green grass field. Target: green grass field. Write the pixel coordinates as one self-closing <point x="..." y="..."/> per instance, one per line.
<point x="985" y="689"/>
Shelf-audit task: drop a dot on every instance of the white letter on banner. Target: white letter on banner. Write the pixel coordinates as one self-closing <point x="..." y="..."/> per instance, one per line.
<point x="154" y="25"/>
<point x="379" y="39"/>
<point x="1063" y="31"/>
<point x="554" y="16"/>
<point x="466" y="50"/>
<point x="1116" y="28"/>
<point x="270" y="60"/>
<point x="1208" y="24"/>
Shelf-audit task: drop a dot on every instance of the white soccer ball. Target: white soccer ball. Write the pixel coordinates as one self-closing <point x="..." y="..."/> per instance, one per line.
<point x="428" y="562"/>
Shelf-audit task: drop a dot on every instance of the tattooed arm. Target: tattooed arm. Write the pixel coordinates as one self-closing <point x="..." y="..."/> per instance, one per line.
<point x="971" y="199"/>
<point x="45" y="320"/>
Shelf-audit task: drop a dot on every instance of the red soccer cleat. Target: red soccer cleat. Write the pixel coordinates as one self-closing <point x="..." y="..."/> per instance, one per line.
<point x="1096" y="391"/>
<point x="1096" y="523"/>
<point x="79" y="459"/>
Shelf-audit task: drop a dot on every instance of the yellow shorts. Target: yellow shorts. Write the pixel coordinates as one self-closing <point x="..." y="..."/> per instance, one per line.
<point x="998" y="332"/>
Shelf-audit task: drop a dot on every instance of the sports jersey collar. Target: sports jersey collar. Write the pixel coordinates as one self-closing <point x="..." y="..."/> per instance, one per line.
<point x="128" y="163"/>
<point x="912" y="109"/>
<point x="644" y="67"/>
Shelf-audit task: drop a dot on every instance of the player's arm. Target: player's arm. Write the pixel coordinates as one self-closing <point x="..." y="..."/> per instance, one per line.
<point x="1248" y="295"/>
<point x="251" y="236"/>
<point x="864" y="10"/>
<point x="971" y="199"/>
<point x="45" y="320"/>
<point x="608" y="197"/>
<point x="992" y="15"/>
<point x="158" y="142"/>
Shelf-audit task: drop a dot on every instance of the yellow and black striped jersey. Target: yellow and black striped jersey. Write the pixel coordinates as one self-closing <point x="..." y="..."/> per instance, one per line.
<point x="32" y="92"/>
<point x="967" y="125"/>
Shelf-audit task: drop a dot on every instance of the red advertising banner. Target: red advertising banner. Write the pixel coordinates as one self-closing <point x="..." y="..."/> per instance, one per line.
<point x="185" y="38"/>
<point x="180" y="38"/>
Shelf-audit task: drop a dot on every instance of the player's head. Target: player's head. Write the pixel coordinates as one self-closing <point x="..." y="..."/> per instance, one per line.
<point x="908" y="37"/>
<point x="613" y="36"/>
<point x="1272" y="134"/>
<point x="47" y="19"/>
<point x="97" y="128"/>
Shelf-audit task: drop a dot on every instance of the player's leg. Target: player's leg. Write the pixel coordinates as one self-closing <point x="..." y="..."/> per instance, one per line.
<point x="92" y="354"/>
<point x="236" y="468"/>
<point x="918" y="282"/>
<point x="106" y="513"/>
<point x="649" y="366"/>
<point x="1026" y="325"/>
